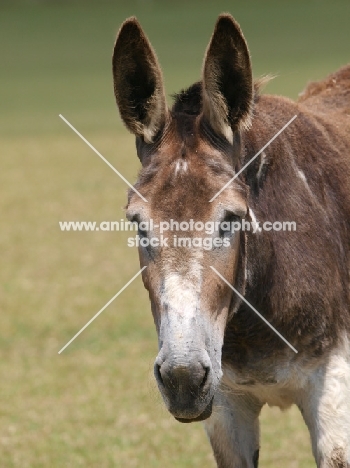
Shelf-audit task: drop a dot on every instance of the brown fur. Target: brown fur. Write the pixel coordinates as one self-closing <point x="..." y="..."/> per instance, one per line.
<point x="297" y="265"/>
<point x="338" y="459"/>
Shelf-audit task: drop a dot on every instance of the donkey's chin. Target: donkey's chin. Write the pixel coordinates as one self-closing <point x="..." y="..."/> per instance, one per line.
<point x="196" y="410"/>
<point x="201" y="417"/>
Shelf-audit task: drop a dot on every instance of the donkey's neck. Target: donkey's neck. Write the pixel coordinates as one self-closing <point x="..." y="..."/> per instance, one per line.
<point x="294" y="278"/>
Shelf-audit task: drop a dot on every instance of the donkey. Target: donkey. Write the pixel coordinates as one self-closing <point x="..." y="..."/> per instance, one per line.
<point x="218" y="362"/>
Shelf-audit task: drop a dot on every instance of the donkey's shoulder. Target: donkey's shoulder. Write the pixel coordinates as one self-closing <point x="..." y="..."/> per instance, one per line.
<point x="332" y="93"/>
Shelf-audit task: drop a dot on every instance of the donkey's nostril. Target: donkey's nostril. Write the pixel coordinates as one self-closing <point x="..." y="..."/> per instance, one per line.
<point x="182" y="377"/>
<point x="205" y="378"/>
<point x="157" y="374"/>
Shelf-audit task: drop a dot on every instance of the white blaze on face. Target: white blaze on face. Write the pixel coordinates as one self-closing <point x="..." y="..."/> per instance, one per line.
<point x="187" y="327"/>
<point x="181" y="297"/>
<point x="179" y="292"/>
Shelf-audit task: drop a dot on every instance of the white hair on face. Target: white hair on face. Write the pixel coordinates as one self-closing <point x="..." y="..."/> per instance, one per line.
<point x="262" y="164"/>
<point x="180" y="166"/>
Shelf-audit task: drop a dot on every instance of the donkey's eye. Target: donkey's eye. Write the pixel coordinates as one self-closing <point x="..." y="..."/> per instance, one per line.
<point x="141" y="232"/>
<point x="229" y="225"/>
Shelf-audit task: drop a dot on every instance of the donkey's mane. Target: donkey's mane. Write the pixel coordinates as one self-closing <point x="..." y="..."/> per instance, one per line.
<point x="189" y="100"/>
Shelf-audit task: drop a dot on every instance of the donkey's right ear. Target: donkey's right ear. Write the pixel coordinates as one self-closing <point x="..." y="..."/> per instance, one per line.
<point x="138" y="82"/>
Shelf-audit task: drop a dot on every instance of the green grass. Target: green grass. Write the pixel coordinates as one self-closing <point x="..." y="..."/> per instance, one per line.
<point x="96" y="405"/>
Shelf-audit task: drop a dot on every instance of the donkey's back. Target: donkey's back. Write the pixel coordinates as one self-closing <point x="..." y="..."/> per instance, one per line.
<point x="331" y="95"/>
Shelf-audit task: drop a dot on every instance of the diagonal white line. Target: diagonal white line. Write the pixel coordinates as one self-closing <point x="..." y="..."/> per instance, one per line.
<point x="103" y="158"/>
<point x="253" y="308"/>
<point x="254" y="157"/>
<point x="100" y="311"/>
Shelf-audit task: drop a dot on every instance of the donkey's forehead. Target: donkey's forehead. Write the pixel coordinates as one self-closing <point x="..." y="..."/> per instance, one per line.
<point x="185" y="169"/>
<point x="184" y="133"/>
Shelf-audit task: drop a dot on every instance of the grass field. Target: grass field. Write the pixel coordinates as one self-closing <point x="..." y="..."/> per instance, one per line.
<point x="96" y="404"/>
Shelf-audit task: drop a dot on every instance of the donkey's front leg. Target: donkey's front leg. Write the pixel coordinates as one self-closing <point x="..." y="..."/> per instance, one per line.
<point x="233" y="430"/>
<point x="325" y="405"/>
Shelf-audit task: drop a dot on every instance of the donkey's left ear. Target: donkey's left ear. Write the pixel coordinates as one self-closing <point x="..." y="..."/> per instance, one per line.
<point x="138" y="82"/>
<point x="227" y="79"/>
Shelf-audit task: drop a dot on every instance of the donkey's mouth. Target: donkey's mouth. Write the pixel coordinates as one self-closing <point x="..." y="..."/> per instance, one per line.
<point x="205" y="415"/>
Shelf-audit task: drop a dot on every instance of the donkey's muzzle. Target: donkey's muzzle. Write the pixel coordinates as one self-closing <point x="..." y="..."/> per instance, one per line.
<point x="185" y="386"/>
<point x="205" y="415"/>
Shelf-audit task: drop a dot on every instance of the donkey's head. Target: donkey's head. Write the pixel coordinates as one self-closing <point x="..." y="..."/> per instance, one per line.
<point x="188" y="154"/>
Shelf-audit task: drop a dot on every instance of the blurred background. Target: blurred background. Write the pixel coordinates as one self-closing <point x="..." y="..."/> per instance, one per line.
<point x="96" y="404"/>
